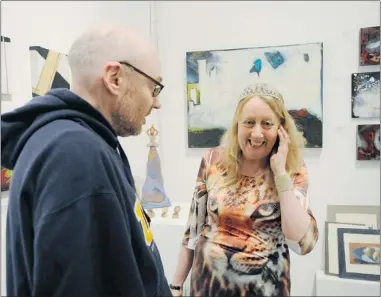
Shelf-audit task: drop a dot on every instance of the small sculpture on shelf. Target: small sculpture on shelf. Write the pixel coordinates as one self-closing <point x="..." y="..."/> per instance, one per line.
<point x="176" y="212"/>
<point x="152" y="134"/>
<point x="150" y="213"/>
<point x="164" y="212"/>
<point x="153" y="191"/>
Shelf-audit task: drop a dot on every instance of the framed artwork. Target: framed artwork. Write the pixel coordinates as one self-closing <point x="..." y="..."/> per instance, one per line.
<point x="359" y="253"/>
<point x="370" y="46"/>
<point x="368" y="142"/>
<point x="368" y="215"/>
<point x="49" y="70"/>
<point x="366" y="95"/>
<point x="216" y="78"/>
<point x="6" y="86"/>
<point x="331" y="245"/>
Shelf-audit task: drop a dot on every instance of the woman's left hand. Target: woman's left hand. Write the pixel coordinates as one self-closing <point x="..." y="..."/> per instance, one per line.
<point x="278" y="159"/>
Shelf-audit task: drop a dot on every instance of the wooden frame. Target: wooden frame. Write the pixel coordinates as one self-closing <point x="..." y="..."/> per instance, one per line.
<point x="351" y="248"/>
<point x="331" y="264"/>
<point x="355" y="214"/>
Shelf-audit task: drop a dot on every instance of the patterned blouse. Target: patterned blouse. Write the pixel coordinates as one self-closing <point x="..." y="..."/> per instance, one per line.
<point x="240" y="249"/>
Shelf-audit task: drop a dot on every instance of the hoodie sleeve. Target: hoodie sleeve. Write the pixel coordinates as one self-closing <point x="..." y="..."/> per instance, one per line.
<point x="83" y="241"/>
<point x="84" y="249"/>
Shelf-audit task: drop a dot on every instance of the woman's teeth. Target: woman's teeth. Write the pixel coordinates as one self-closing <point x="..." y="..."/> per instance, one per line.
<point x="256" y="144"/>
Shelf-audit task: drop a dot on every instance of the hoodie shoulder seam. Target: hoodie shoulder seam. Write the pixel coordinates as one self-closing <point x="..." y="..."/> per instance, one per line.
<point x="73" y="202"/>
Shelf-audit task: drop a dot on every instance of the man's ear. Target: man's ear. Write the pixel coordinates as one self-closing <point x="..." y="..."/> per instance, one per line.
<point x="111" y="77"/>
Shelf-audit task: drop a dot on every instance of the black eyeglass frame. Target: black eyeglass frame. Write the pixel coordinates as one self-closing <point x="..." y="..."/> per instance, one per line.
<point x="158" y="86"/>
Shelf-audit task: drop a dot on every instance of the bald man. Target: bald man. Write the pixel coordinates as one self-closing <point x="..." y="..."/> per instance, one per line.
<point x="75" y="226"/>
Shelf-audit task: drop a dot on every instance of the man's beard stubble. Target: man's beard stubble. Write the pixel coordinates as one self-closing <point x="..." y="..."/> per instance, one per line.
<point x="123" y="126"/>
<point x="128" y="114"/>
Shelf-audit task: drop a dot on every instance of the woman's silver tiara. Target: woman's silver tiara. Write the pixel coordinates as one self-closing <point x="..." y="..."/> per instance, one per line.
<point x="260" y="90"/>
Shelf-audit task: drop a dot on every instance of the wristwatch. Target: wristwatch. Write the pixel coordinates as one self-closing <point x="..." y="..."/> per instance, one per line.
<point x="172" y="287"/>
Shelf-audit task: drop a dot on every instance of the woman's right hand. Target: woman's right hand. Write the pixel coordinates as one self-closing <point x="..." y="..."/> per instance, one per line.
<point x="176" y="293"/>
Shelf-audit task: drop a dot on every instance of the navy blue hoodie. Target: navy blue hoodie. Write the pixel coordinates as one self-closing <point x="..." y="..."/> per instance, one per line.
<point x="75" y="226"/>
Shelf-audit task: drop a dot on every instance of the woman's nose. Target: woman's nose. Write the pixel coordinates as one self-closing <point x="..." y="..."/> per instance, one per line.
<point x="256" y="131"/>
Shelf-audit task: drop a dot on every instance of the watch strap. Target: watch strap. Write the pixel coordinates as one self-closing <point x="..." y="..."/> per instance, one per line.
<point x="172" y="287"/>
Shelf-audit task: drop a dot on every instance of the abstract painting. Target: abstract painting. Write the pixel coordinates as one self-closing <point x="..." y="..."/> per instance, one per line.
<point x="49" y="70"/>
<point x="6" y="175"/>
<point x="6" y="92"/>
<point x="359" y="253"/>
<point x="364" y="253"/>
<point x="215" y="79"/>
<point x="366" y="95"/>
<point x="368" y="142"/>
<point x="370" y="46"/>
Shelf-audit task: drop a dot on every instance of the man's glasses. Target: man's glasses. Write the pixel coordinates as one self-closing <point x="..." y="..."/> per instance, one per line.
<point x="158" y="86"/>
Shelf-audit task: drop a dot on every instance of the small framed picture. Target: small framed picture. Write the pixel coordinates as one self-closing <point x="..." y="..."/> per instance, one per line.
<point x="368" y="215"/>
<point x="366" y="95"/>
<point x="331" y="266"/>
<point x="368" y="142"/>
<point x="359" y="253"/>
<point x="370" y="46"/>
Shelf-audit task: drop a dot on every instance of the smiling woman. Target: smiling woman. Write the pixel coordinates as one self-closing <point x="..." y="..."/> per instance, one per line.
<point x="250" y="202"/>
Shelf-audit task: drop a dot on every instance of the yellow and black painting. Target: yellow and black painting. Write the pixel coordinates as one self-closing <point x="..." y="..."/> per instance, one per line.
<point x="49" y="70"/>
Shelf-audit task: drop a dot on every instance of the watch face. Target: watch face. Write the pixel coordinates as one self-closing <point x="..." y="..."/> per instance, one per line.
<point x="377" y="139"/>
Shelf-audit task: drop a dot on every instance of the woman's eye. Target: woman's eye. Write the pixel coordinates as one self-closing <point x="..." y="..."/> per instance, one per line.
<point x="248" y="122"/>
<point x="268" y="123"/>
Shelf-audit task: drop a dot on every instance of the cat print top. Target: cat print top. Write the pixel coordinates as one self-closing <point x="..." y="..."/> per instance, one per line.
<point x="240" y="249"/>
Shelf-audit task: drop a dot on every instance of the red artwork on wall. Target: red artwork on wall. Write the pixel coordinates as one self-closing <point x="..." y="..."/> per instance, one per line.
<point x="370" y="46"/>
<point x="5" y="179"/>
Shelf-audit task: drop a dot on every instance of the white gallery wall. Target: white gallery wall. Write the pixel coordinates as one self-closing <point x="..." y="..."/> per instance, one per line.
<point x="335" y="175"/>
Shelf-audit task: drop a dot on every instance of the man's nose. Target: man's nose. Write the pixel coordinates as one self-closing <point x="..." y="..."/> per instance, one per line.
<point x="156" y="103"/>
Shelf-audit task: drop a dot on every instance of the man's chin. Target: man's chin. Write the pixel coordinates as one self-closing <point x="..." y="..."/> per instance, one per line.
<point x="131" y="132"/>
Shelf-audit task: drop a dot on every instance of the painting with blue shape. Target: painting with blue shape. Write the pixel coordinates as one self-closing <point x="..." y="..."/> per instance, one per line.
<point x="215" y="78"/>
<point x="274" y="58"/>
<point x="257" y="67"/>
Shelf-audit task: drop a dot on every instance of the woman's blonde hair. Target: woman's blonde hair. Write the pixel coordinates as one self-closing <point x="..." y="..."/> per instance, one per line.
<point x="232" y="154"/>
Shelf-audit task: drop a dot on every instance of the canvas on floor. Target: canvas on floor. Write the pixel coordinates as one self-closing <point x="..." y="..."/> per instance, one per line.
<point x="366" y="95"/>
<point x="6" y="91"/>
<point x="368" y="142"/>
<point x="215" y="79"/>
<point x="49" y="70"/>
<point x="370" y="46"/>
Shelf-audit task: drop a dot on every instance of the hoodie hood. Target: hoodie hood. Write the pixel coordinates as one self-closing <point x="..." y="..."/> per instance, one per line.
<point x="19" y="125"/>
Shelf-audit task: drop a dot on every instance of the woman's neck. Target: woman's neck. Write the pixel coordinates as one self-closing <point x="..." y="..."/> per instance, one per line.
<point x="253" y="167"/>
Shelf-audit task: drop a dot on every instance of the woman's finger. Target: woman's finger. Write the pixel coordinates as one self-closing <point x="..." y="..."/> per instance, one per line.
<point x="285" y="134"/>
<point x="283" y="144"/>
